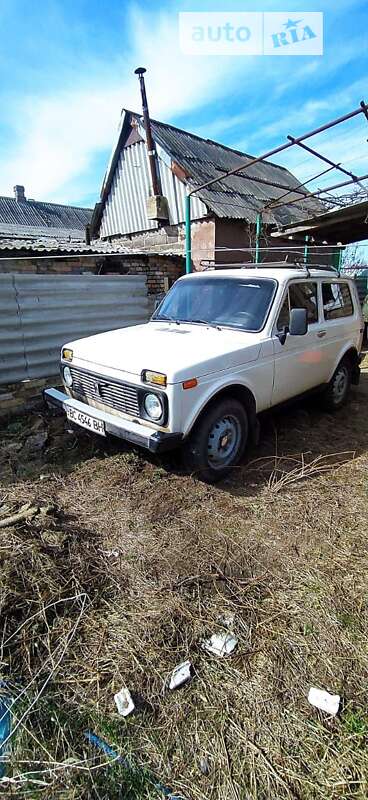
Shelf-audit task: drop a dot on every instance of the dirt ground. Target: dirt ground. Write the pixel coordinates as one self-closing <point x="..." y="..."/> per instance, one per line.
<point x="122" y="564"/>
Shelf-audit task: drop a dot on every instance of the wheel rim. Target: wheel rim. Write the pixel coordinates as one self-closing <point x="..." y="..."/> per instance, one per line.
<point x="224" y="441"/>
<point x="340" y="384"/>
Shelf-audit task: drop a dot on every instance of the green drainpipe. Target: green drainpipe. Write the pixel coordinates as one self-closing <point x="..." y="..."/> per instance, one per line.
<point x="188" y="240"/>
<point x="306" y="249"/>
<point x="337" y="259"/>
<point x="258" y="235"/>
<point x="340" y="259"/>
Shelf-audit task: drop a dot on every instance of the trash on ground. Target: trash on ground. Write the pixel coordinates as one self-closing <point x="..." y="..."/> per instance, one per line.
<point x="204" y="766"/>
<point x="124" y="702"/>
<point x="324" y="700"/>
<point x="181" y="674"/>
<point x="220" y="644"/>
<point x="5" y="727"/>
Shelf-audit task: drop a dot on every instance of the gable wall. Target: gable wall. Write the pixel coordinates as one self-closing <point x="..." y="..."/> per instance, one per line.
<point x="125" y="207"/>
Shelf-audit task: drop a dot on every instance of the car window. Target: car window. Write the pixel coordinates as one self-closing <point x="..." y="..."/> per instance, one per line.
<point x="241" y="303"/>
<point x="284" y="315"/>
<point x="299" y="295"/>
<point x="337" y="301"/>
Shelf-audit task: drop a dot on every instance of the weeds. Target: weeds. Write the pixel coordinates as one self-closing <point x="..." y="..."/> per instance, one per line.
<point x="134" y="565"/>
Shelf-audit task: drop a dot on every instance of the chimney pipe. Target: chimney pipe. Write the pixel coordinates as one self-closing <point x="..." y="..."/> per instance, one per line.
<point x="152" y="155"/>
<point x="19" y="194"/>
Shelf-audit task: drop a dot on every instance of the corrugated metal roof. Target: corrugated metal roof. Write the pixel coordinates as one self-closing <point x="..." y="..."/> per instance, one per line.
<point x="38" y="216"/>
<point x="30" y="232"/>
<point x="235" y="197"/>
<point x="238" y="196"/>
<point x="47" y="246"/>
<point x="347" y="224"/>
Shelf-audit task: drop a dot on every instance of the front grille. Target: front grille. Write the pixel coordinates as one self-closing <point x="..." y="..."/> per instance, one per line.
<point x="110" y="393"/>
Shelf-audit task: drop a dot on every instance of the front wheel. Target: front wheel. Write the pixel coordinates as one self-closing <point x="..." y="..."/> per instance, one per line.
<point x="336" y="394"/>
<point x="218" y="440"/>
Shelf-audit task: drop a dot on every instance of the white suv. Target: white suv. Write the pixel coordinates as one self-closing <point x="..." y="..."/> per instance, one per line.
<point x="221" y="347"/>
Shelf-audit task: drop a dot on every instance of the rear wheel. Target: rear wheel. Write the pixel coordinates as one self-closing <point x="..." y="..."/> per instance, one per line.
<point x="337" y="392"/>
<point x="218" y="440"/>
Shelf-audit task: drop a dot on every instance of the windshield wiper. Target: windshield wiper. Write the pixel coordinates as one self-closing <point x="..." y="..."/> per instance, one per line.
<point x="166" y="319"/>
<point x="202" y="322"/>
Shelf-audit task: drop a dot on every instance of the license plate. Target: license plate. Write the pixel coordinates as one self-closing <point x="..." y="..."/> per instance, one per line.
<point x="85" y="421"/>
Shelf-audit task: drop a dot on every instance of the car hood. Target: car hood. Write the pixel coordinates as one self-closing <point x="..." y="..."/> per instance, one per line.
<point x="179" y="351"/>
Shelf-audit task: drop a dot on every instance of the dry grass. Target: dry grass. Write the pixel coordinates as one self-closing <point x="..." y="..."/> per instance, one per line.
<point x="131" y="565"/>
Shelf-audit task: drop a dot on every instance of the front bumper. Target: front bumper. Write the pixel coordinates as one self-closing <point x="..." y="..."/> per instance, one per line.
<point x="134" y="432"/>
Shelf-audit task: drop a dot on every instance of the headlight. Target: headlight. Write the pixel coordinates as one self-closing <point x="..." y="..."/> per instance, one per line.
<point x="68" y="378"/>
<point x="67" y="354"/>
<point x="153" y="406"/>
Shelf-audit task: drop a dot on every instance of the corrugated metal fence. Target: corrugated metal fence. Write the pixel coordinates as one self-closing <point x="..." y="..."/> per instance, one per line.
<point x="39" y="313"/>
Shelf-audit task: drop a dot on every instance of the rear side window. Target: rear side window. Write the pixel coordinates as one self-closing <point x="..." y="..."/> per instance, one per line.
<point x="337" y="301"/>
<point x="299" y="295"/>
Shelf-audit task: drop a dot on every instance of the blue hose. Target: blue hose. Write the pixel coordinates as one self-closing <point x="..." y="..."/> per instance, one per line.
<point x="5" y="726"/>
<point x="105" y="747"/>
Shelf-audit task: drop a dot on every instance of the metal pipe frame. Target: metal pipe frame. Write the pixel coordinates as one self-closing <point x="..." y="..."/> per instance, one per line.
<point x="320" y="191"/>
<point x="363" y="109"/>
<point x="310" y="180"/>
<point x="324" y="158"/>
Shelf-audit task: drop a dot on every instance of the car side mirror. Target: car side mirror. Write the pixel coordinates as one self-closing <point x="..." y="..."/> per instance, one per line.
<point x="298" y="323"/>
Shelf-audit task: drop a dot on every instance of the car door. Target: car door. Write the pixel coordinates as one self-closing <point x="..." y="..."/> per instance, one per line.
<point x="340" y="324"/>
<point x="298" y="361"/>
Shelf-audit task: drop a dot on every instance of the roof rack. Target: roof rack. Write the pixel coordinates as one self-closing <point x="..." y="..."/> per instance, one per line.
<point x="269" y="265"/>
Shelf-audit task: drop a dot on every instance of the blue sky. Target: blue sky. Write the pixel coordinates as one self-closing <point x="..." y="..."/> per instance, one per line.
<point x="67" y="70"/>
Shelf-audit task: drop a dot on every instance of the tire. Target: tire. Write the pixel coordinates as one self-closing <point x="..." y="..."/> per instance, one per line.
<point x="218" y="440"/>
<point x="337" y="392"/>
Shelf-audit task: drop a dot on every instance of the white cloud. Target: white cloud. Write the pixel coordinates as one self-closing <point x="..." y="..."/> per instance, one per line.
<point x="58" y="136"/>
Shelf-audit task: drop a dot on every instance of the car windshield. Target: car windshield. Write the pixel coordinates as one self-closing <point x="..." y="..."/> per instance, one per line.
<point x="241" y="303"/>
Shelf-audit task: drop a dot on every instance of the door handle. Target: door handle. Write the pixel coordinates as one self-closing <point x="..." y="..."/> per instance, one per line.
<point x="321" y="334"/>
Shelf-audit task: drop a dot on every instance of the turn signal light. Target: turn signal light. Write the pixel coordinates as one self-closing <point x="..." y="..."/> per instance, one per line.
<point x="67" y="354"/>
<point x="157" y="378"/>
<point x="191" y="384"/>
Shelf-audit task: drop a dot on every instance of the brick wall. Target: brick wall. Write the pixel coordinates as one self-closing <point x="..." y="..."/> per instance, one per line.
<point x="167" y="238"/>
<point x="170" y="239"/>
<point x="47" y="266"/>
<point x="238" y="234"/>
<point x="161" y="270"/>
<point x="203" y="242"/>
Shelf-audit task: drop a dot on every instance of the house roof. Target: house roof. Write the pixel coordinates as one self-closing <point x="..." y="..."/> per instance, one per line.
<point x="236" y="197"/>
<point x="44" y="246"/>
<point x="347" y="224"/>
<point x="33" y="218"/>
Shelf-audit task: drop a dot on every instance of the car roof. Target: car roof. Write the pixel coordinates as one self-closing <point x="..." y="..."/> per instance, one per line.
<point x="276" y="271"/>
